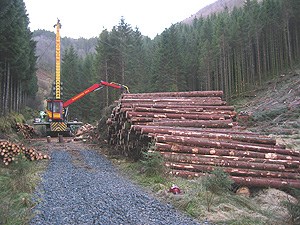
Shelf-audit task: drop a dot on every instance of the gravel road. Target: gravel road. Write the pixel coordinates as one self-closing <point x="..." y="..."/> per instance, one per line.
<point x="82" y="187"/>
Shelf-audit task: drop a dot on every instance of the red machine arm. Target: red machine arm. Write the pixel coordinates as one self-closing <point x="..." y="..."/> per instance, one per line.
<point x="93" y="88"/>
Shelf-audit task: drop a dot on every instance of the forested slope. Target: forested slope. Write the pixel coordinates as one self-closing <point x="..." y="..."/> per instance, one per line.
<point x="233" y="51"/>
<point x="45" y="48"/>
<point x="215" y="7"/>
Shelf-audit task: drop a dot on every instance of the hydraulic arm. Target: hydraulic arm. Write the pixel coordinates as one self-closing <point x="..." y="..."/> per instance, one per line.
<point x="94" y="87"/>
<point x="55" y="116"/>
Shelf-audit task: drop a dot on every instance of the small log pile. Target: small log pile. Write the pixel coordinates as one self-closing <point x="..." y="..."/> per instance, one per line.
<point x="86" y="132"/>
<point x="196" y="132"/>
<point x="9" y="152"/>
<point x="26" y="130"/>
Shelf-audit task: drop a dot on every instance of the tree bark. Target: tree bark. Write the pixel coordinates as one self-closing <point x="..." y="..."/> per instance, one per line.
<point x="288" y="161"/>
<point x="221" y="161"/>
<point x="222" y="144"/>
<point x="179" y="94"/>
<point x="247" y="181"/>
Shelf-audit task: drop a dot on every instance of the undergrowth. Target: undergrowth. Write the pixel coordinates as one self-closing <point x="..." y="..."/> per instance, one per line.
<point x="206" y="198"/>
<point x="17" y="182"/>
<point x="294" y="207"/>
<point x="7" y="123"/>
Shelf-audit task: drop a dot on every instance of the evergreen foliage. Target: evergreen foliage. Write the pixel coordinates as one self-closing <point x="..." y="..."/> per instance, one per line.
<point x="231" y="51"/>
<point x="17" y="57"/>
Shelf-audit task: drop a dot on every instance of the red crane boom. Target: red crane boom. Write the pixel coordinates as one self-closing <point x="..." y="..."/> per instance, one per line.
<point x="92" y="88"/>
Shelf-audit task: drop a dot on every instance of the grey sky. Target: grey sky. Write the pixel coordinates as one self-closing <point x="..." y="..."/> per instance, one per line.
<point x="89" y="17"/>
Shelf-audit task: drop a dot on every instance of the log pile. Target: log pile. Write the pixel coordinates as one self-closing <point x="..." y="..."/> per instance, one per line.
<point x="196" y="132"/>
<point x="86" y="132"/>
<point x="10" y="151"/>
<point x="26" y="130"/>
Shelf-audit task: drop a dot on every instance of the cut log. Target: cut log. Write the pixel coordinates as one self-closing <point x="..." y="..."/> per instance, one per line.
<point x="221" y="144"/>
<point x="270" y="182"/>
<point x="204" y="134"/>
<point x="197" y="123"/>
<point x="166" y="110"/>
<point x="9" y="151"/>
<point x="209" y="130"/>
<point x="233" y="171"/>
<point x="196" y="132"/>
<point x="178" y="115"/>
<point x="26" y="130"/>
<point x="183" y="99"/>
<point x="220" y="161"/>
<point x="247" y="181"/>
<point x="175" y="101"/>
<point x="286" y="160"/>
<point x="177" y="94"/>
<point x="178" y="106"/>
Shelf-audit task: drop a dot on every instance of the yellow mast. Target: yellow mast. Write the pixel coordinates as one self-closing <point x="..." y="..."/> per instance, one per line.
<point x="57" y="57"/>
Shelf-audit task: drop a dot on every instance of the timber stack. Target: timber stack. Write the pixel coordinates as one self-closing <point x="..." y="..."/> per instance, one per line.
<point x="10" y="151"/>
<point x="196" y="132"/>
<point x="26" y="130"/>
<point x="86" y="132"/>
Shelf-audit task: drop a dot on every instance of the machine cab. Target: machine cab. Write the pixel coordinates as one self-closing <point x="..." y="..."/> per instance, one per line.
<point x="55" y="110"/>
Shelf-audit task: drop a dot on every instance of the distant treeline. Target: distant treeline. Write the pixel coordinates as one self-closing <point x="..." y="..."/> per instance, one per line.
<point x="231" y="51"/>
<point x="17" y="57"/>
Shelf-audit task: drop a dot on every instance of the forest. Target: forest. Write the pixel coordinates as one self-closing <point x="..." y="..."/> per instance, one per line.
<point x="233" y="51"/>
<point x="17" y="58"/>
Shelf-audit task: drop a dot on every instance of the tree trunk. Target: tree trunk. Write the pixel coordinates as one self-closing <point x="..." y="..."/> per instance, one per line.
<point x="288" y="161"/>
<point x="208" y="143"/>
<point x="7" y="88"/>
<point x="247" y="181"/>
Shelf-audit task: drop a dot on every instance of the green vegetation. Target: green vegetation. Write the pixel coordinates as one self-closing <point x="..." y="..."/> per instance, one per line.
<point x="233" y="51"/>
<point x="209" y="197"/>
<point x="8" y="122"/>
<point x="152" y="163"/>
<point x="294" y="207"/>
<point x="17" y="57"/>
<point x="17" y="182"/>
<point x="215" y="184"/>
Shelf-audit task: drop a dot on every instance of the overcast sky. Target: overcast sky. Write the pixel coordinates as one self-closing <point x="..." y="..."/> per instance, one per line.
<point x="87" y="18"/>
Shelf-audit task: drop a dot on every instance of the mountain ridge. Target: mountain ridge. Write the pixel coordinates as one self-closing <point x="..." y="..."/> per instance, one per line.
<point x="45" y="48"/>
<point x="215" y="7"/>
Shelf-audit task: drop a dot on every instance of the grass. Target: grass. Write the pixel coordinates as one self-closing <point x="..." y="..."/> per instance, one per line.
<point x="202" y="198"/>
<point x="17" y="183"/>
<point x="7" y="123"/>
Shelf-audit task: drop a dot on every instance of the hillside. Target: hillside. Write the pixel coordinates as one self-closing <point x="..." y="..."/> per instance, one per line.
<point x="45" y="48"/>
<point x="274" y="108"/>
<point x="215" y="7"/>
<point x="45" y="51"/>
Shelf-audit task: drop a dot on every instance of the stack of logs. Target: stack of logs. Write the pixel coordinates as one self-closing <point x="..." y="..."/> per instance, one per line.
<point x="196" y="132"/>
<point x="9" y="152"/>
<point x="86" y="132"/>
<point x="26" y="130"/>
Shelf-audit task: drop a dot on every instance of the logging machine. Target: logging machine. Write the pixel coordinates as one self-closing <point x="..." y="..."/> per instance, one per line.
<point x="57" y="110"/>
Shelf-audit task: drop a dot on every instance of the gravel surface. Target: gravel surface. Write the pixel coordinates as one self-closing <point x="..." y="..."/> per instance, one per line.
<point x="83" y="187"/>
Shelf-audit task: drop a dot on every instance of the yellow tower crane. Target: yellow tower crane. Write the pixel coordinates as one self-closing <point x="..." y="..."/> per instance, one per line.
<point x="57" y="61"/>
<point x="57" y="111"/>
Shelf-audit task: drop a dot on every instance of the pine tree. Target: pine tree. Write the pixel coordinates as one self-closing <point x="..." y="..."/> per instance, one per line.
<point x="17" y="57"/>
<point x="72" y="80"/>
